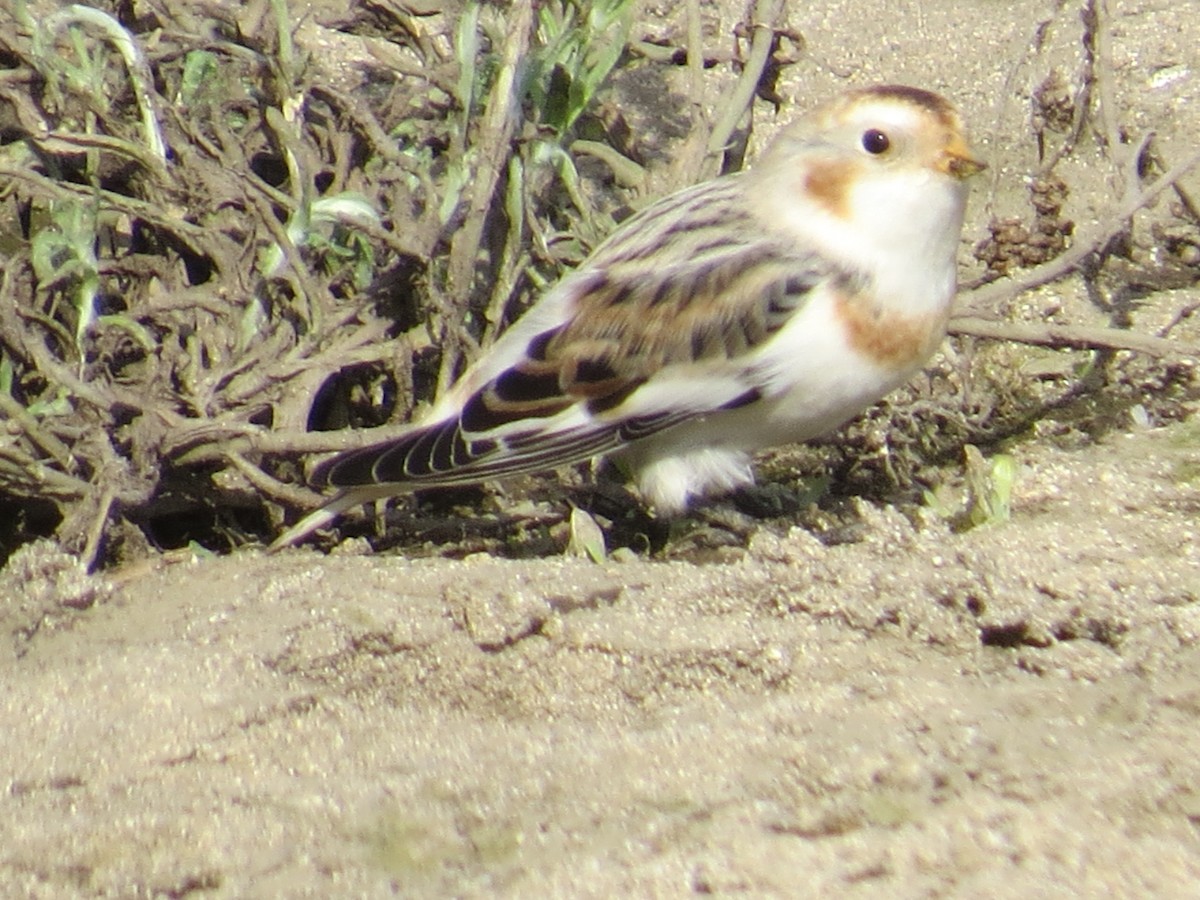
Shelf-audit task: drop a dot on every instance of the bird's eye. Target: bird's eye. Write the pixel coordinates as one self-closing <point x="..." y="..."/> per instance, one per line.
<point x="875" y="141"/>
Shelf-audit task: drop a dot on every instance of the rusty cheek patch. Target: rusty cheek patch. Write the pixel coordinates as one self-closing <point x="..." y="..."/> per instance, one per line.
<point x="828" y="183"/>
<point x="888" y="339"/>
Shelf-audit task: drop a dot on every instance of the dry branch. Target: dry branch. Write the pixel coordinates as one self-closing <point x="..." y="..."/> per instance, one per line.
<point x="984" y="301"/>
<point x="1072" y="336"/>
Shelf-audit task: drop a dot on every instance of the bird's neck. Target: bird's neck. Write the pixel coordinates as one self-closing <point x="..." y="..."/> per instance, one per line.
<point x="901" y="236"/>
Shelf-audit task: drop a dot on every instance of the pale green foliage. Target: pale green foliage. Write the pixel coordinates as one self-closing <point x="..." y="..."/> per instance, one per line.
<point x="84" y="70"/>
<point x="579" y="45"/>
<point x="586" y="537"/>
<point x="989" y="489"/>
<point x="64" y="256"/>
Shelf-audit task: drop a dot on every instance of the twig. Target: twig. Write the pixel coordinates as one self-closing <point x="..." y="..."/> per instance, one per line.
<point x="382" y="145"/>
<point x="221" y="441"/>
<point x="99" y="396"/>
<point x="190" y="441"/>
<point x="511" y="259"/>
<point x="690" y="163"/>
<point x="91" y="547"/>
<point x="1082" y="100"/>
<point x="1098" y="38"/>
<point x="273" y="488"/>
<point x="1186" y="312"/>
<point x="766" y="13"/>
<point x="67" y="143"/>
<point x="1072" y="336"/>
<point x="695" y="53"/>
<point x="495" y="145"/>
<point x="985" y="300"/>
<point x="194" y="237"/>
<point x="368" y="343"/>
<point x="19" y="470"/>
<point x="12" y="410"/>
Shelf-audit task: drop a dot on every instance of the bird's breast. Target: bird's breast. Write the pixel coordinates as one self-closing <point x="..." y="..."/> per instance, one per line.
<point x="891" y="339"/>
<point x="842" y="354"/>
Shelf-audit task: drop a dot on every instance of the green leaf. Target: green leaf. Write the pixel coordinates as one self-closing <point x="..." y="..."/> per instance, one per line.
<point x="466" y="49"/>
<point x="199" y="73"/>
<point x="6" y="375"/>
<point x="559" y="102"/>
<point x="587" y="539"/>
<point x="989" y="487"/>
<point x="347" y="207"/>
<point x="136" y="330"/>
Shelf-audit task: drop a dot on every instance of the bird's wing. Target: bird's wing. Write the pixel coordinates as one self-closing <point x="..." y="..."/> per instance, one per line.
<point x="660" y="326"/>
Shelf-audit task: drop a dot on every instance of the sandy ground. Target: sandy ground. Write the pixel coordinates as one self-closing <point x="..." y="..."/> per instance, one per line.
<point x="1010" y="711"/>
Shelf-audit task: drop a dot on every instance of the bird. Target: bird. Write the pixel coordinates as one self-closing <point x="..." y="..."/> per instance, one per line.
<point x="760" y="308"/>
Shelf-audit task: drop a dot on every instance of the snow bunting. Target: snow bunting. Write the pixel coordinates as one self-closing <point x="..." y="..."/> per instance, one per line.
<point x="756" y="309"/>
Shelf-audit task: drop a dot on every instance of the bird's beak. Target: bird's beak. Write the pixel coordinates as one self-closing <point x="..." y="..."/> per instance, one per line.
<point x="959" y="162"/>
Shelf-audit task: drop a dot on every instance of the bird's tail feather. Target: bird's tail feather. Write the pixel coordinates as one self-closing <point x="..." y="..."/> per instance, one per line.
<point x="349" y="498"/>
